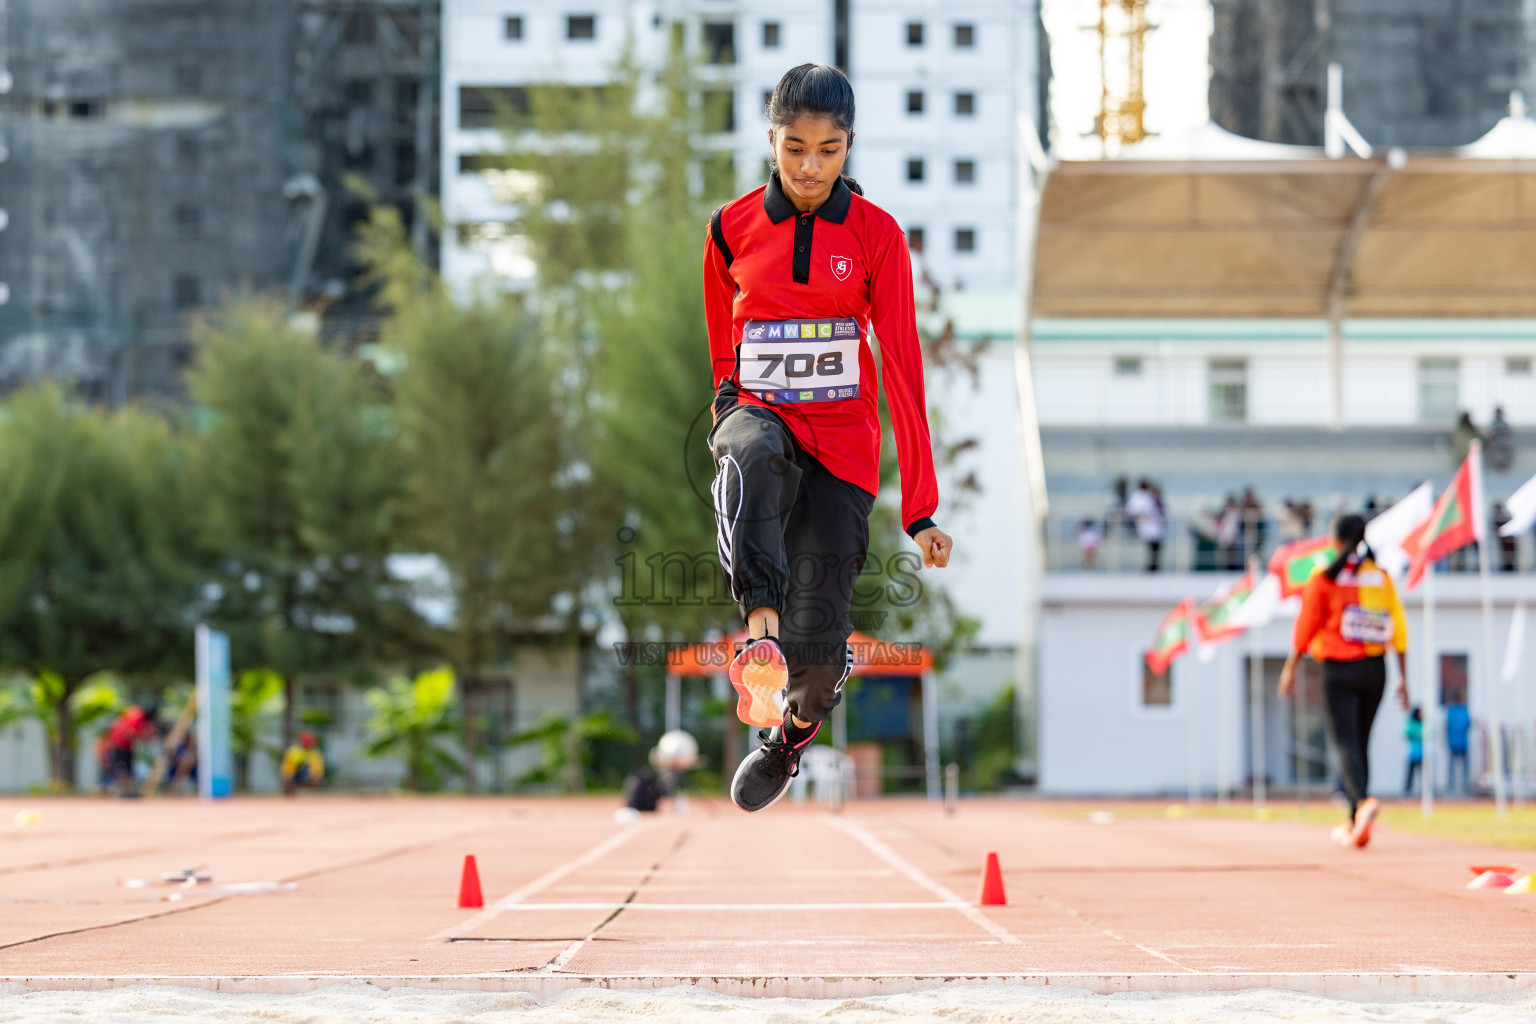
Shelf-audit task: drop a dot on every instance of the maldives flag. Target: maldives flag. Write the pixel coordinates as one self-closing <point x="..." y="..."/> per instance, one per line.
<point x="1172" y="638"/>
<point x="1458" y="519"/>
<point x="1214" y="618"/>
<point x="1297" y="562"/>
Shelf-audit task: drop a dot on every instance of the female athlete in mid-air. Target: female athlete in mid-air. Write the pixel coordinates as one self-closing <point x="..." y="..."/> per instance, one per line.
<point x="796" y="273"/>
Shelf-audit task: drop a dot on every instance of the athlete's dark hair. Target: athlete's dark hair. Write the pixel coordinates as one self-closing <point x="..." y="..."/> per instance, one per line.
<point x="1349" y="531"/>
<point x="813" y="90"/>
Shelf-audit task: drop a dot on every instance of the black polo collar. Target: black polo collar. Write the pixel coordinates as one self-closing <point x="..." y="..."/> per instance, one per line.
<point x="779" y="208"/>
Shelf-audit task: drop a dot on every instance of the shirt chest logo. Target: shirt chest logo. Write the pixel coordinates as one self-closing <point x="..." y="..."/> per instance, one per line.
<point x="842" y="266"/>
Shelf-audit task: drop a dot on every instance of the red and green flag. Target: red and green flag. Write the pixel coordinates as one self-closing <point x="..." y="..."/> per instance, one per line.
<point x="1214" y="617"/>
<point x="1297" y="562"/>
<point x="1172" y="637"/>
<point x="1456" y="520"/>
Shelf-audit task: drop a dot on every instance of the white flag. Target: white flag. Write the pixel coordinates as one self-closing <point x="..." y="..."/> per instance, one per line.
<point x="1385" y="533"/>
<point x="1522" y="509"/>
<point x="1514" y="646"/>
<point x="1263" y="604"/>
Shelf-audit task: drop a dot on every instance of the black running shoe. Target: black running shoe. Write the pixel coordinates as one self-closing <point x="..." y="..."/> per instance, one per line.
<point x="765" y="774"/>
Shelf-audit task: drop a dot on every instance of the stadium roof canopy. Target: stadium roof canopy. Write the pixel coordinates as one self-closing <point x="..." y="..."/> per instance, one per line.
<point x="1210" y="224"/>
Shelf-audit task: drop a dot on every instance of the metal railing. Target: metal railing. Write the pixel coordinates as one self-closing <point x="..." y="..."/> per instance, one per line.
<point x="1192" y="545"/>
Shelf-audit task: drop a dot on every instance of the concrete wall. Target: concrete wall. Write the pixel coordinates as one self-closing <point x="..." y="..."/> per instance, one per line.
<point x="1081" y="378"/>
<point x="1096" y="737"/>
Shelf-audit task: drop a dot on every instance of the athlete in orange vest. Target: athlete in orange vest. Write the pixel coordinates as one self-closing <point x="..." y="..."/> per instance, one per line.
<point x="1350" y="616"/>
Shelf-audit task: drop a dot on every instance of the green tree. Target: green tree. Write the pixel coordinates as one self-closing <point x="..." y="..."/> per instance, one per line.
<point x="615" y="224"/>
<point x="301" y="477"/>
<point x="415" y="720"/>
<point x="494" y="485"/>
<point x="95" y="535"/>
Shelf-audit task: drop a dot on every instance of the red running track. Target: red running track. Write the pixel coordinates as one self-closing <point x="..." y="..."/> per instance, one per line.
<point x="883" y="891"/>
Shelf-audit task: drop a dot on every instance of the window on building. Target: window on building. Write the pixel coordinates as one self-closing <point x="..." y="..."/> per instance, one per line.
<point x="189" y="220"/>
<point x="719" y="110"/>
<point x="407" y="94"/>
<point x="361" y="30"/>
<point x="189" y="79"/>
<point x="965" y="172"/>
<point x="186" y="291"/>
<point x="914" y="101"/>
<point x="965" y="36"/>
<point x="1128" y="366"/>
<point x="915" y="169"/>
<point x="512" y="27"/>
<point x="1439" y="390"/>
<point x="496" y="709"/>
<point x="482" y="106"/>
<point x="770" y="35"/>
<point x="1228" y="388"/>
<point x="581" y="26"/>
<point x="915" y="239"/>
<point x="1453" y="679"/>
<point x="188" y="153"/>
<point x="358" y="92"/>
<point x="965" y="239"/>
<point x="360" y="156"/>
<point x="720" y="42"/>
<point x="1156" y="687"/>
<point x="914" y="33"/>
<point x="84" y="110"/>
<point x="1517" y="366"/>
<point x="405" y="163"/>
<point x="965" y="104"/>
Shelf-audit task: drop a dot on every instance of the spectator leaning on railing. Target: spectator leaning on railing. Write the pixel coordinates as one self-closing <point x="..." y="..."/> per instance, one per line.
<point x="1145" y="507"/>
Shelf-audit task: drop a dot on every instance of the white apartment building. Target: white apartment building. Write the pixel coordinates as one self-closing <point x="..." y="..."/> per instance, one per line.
<point x="939" y="89"/>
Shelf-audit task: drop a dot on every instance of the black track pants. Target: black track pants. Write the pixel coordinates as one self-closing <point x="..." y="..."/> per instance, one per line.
<point x="1351" y="694"/>
<point x="791" y="537"/>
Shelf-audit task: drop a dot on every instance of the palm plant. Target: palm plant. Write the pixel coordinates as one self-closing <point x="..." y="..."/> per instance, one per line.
<point x="256" y="696"/>
<point x="415" y="720"/>
<point x="565" y="747"/>
<point x="39" y="699"/>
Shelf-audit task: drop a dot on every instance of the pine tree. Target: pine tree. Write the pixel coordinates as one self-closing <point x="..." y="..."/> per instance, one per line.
<point x="300" y="476"/>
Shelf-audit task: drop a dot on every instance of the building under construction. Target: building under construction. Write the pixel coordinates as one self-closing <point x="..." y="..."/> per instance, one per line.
<point x="1426" y="74"/>
<point x="161" y="155"/>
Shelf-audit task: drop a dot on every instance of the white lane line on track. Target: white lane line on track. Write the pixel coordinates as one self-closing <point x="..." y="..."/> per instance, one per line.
<point x="544" y="881"/>
<point x="750" y="907"/>
<point x="951" y="900"/>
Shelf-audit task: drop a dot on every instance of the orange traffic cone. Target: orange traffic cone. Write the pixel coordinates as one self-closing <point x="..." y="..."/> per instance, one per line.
<point x="469" y="884"/>
<point x="992" y="894"/>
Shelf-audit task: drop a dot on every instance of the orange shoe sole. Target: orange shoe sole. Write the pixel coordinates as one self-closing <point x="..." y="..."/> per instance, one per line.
<point x="759" y="676"/>
<point x="1364" y="819"/>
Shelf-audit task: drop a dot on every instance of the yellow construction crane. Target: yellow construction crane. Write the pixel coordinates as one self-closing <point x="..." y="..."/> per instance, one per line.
<point x="1122" y="48"/>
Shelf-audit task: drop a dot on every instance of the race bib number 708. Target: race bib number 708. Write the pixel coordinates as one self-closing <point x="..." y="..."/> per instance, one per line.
<point x="801" y="360"/>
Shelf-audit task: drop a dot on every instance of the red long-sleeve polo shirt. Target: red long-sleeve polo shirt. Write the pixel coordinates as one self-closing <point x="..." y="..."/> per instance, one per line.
<point x="765" y="261"/>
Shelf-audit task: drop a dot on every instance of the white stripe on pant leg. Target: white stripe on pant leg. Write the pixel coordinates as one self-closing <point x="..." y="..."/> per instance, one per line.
<point x="725" y="544"/>
<point x="847" y="668"/>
